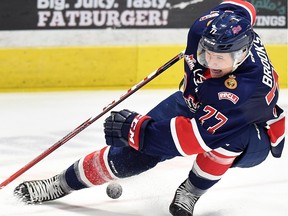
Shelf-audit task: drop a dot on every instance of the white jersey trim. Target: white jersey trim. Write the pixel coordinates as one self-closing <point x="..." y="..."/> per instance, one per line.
<point x="227" y="152"/>
<point x="270" y="122"/>
<point x="105" y="158"/>
<point x="218" y="159"/>
<point x="198" y="136"/>
<point x="194" y="129"/>
<point x="175" y="137"/>
<point x="274" y="144"/>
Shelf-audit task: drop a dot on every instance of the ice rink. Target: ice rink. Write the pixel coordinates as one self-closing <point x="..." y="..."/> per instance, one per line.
<point x="32" y="122"/>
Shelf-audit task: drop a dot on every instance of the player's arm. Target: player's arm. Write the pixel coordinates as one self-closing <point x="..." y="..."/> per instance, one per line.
<point x="127" y="128"/>
<point x="211" y="128"/>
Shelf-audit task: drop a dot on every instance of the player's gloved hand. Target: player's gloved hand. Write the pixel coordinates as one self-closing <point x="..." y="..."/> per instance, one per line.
<point x="125" y="128"/>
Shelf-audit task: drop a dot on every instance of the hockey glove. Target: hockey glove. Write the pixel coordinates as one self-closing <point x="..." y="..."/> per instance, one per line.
<point x="125" y="128"/>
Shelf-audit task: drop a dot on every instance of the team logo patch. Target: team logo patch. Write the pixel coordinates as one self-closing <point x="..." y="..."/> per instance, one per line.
<point x="228" y="96"/>
<point x="236" y="29"/>
<point x="231" y="82"/>
<point x="190" y="60"/>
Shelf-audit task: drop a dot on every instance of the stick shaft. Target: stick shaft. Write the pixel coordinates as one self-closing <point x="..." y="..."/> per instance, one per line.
<point x="91" y="120"/>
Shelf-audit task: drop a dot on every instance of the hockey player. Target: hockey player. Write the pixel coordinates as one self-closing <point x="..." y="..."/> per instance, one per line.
<point x="226" y="114"/>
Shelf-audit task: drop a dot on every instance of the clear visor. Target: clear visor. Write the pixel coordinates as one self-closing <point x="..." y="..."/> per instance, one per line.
<point x="220" y="61"/>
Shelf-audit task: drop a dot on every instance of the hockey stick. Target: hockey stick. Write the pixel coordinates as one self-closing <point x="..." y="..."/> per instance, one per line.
<point x="91" y="120"/>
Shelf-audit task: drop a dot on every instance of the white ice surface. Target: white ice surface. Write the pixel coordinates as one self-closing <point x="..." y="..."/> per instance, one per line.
<point x="32" y="122"/>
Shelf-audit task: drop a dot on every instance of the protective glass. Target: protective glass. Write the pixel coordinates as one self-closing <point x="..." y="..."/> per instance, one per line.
<point x="219" y="61"/>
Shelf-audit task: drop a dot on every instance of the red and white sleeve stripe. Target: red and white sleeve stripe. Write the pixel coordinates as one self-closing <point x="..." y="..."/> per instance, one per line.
<point x="186" y="136"/>
<point x="247" y="6"/>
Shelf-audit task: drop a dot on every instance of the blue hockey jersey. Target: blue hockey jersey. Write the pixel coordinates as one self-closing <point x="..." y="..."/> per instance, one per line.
<point x="224" y="107"/>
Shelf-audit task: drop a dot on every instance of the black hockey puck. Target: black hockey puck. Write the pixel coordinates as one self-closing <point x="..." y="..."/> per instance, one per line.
<point x="114" y="190"/>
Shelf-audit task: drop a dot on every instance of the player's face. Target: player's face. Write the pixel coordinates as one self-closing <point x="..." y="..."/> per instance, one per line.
<point x="219" y="64"/>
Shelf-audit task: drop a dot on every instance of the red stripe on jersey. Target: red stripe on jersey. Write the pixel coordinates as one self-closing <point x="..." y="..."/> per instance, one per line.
<point x="271" y="94"/>
<point x="276" y="131"/>
<point x="186" y="136"/>
<point x="247" y="6"/>
<point x="213" y="163"/>
<point x="95" y="169"/>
